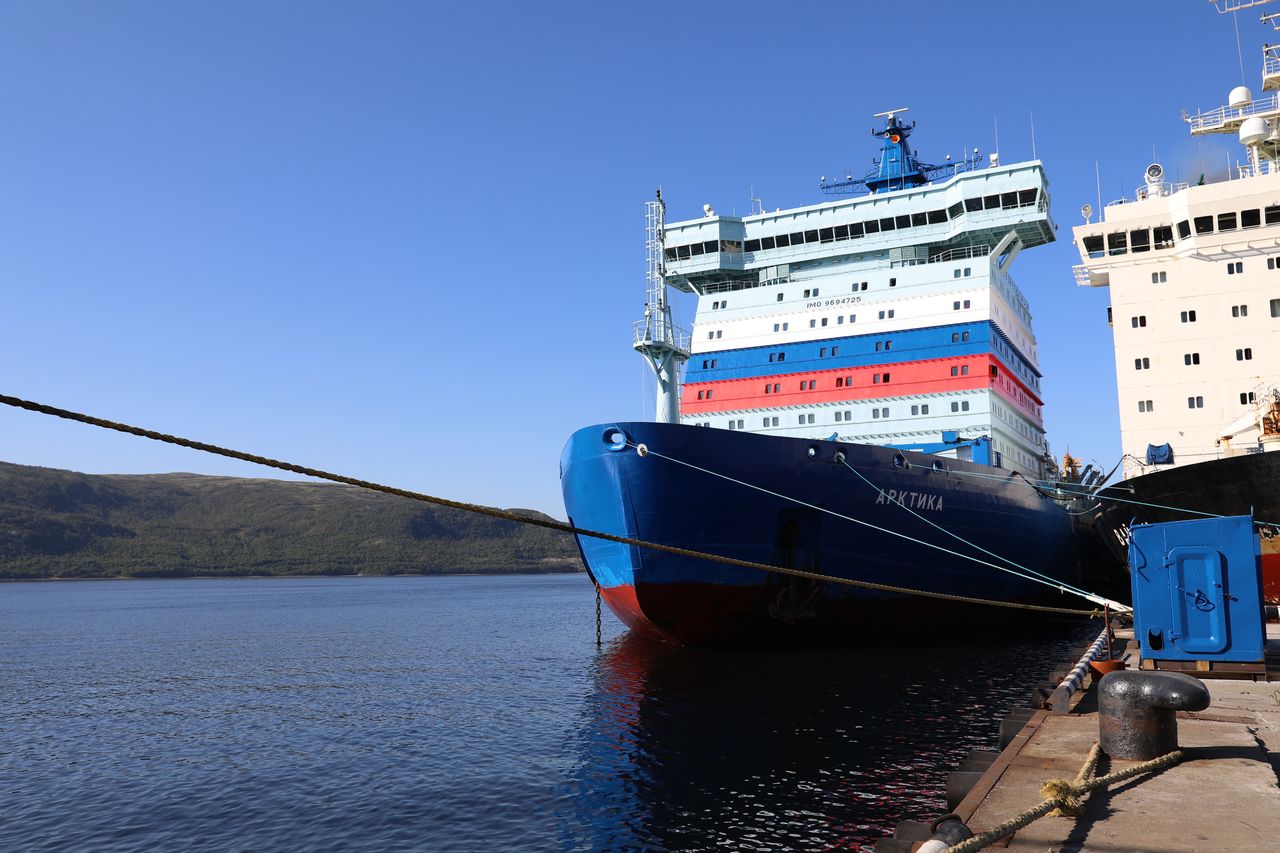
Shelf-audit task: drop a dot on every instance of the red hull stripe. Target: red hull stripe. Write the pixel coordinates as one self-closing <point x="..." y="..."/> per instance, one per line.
<point x="931" y="376"/>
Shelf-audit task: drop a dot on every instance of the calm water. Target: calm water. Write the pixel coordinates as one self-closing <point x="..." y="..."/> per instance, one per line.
<point x="458" y="714"/>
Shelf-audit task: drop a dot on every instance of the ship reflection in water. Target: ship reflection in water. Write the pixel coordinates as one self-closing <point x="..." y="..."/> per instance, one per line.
<point x="702" y="749"/>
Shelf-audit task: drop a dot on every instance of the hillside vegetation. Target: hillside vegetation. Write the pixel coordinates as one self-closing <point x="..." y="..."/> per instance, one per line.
<point x="68" y="525"/>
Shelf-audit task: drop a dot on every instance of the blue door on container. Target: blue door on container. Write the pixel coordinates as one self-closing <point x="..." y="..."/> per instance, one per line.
<point x="1198" y="576"/>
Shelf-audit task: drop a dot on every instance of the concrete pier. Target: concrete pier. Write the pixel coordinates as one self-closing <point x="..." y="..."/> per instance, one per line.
<point x="1222" y="796"/>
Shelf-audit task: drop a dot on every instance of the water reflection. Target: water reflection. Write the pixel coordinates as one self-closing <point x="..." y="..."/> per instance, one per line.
<point x="699" y="749"/>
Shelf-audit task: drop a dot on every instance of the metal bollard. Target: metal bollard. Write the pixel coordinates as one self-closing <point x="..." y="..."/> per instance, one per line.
<point x="1137" y="711"/>
<point x="948" y="831"/>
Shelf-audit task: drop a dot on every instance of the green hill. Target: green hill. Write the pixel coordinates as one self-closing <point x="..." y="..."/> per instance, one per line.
<point x="62" y="524"/>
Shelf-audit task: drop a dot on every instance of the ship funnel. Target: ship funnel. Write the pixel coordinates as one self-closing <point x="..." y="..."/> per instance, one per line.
<point x="1239" y="96"/>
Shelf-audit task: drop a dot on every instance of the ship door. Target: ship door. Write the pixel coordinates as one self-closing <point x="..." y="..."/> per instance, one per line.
<point x="797" y="546"/>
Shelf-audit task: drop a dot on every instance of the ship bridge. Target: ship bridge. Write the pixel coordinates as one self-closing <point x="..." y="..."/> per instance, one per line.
<point x="965" y="216"/>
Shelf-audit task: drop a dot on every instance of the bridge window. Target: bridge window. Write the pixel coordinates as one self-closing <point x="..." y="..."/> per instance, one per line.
<point x="1227" y="221"/>
<point x="991" y="202"/>
<point x="1271" y="214"/>
<point x="1140" y="240"/>
<point x="856" y="230"/>
<point x="1204" y="224"/>
<point x="1093" y="245"/>
<point x="810" y="237"/>
<point x="903" y="221"/>
<point x="936" y="216"/>
<point x="1117" y="243"/>
<point x="797" y="238"/>
<point x="752" y="246"/>
<point x="1184" y="229"/>
<point x="767" y="242"/>
<point x="1250" y="218"/>
<point x="826" y="235"/>
<point x="1163" y="236"/>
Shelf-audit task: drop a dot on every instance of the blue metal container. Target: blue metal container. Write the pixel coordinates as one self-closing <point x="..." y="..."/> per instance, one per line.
<point x="1197" y="590"/>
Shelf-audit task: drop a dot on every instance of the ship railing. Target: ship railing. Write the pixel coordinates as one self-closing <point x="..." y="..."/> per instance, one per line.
<point x="1216" y="119"/>
<point x="959" y="253"/>
<point x="650" y="331"/>
<point x="1270" y="62"/>
<point x="1157" y="190"/>
<point x="1264" y="168"/>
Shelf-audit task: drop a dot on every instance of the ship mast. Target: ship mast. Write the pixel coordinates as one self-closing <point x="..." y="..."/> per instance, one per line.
<point x="655" y="337"/>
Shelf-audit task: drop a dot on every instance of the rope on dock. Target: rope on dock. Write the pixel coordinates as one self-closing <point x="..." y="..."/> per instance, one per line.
<point x="549" y="524"/>
<point x="1068" y="796"/>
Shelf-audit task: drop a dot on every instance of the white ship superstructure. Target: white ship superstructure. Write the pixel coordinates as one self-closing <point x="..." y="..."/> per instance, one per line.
<point x="1194" y="278"/>
<point x="889" y="319"/>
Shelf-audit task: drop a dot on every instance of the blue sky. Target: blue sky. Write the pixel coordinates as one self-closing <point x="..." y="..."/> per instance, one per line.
<point x="405" y="242"/>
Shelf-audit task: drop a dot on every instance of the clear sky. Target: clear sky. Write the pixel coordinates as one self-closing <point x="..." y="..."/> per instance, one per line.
<point x="404" y="241"/>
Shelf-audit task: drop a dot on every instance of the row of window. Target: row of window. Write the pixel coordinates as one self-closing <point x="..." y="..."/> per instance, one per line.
<point x="1140" y="321"/>
<point x="840" y="416"/>
<point x="856" y="230"/>
<point x="1189" y="359"/>
<point x="1161" y="237"/>
<point x="1197" y="402"/>
<point x="847" y="381"/>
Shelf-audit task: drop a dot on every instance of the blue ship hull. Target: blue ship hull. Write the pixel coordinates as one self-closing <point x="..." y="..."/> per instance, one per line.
<point x="744" y="504"/>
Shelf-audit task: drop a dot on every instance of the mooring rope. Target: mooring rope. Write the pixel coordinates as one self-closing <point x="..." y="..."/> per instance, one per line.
<point x="549" y="524"/>
<point x="1069" y="796"/>
<point x="648" y="451"/>
<point x="1043" y="578"/>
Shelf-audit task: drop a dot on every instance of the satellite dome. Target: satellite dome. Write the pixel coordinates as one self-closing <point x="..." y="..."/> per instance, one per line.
<point x="1253" y="130"/>
<point x="1239" y="96"/>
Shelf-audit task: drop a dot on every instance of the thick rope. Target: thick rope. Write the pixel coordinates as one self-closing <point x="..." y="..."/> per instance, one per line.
<point x="1072" y="806"/>
<point x="1064" y="794"/>
<point x="1030" y="574"/>
<point x="648" y="451"/>
<point x="519" y="519"/>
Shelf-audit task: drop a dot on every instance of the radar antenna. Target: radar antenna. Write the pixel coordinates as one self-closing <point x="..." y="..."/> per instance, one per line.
<point x="897" y="168"/>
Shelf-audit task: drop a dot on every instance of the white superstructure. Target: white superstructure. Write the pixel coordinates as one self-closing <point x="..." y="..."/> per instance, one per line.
<point x="1194" y="276"/>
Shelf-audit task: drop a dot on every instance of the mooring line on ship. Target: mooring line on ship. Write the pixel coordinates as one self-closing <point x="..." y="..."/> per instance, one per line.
<point x="549" y="524"/>
<point x="1066" y="486"/>
<point x="648" y="451"/>
<point x="1057" y="584"/>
